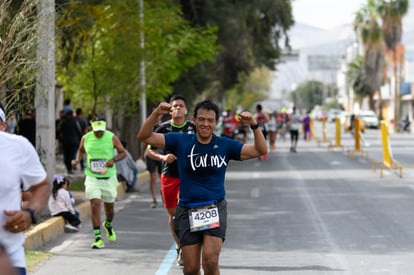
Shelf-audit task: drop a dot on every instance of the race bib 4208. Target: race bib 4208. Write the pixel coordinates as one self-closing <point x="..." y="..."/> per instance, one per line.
<point x="204" y="217"/>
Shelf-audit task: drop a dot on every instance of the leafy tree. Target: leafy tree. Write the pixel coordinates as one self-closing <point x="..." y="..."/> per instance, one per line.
<point x="100" y="55"/>
<point x="250" y="89"/>
<point x="18" y="40"/>
<point x="104" y="52"/>
<point x="333" y="105"/>
<point x="249" y="37"/>
<point x="356" y="76"/>
<point x="392" y="12"/>
<point x="310" y="93"/>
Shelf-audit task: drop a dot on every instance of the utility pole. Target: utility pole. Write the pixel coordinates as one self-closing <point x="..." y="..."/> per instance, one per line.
<point x="45" y="86"/>
<point x="143" y="99"/>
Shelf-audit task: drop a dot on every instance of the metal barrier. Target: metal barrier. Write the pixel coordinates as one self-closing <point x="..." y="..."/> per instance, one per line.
<point x="324" y="139"/>
<point x="357" y="136"/>
<point x="387" y="161"/>
<point x="338" y="143"/>
<point x="312" y="128"/>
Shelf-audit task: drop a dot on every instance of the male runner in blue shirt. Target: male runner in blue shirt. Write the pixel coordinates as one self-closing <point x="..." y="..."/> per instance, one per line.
<point x="201" y="216"/>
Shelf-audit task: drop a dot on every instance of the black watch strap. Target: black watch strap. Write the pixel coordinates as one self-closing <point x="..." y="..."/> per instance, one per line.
<point x="254" y="127"/>
<point x="32" y="214"/>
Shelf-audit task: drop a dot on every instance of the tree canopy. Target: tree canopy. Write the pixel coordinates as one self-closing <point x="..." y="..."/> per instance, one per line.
<point x="191" y="48"/>
<point x="308" y="94"/>
<point x="249" y="36"/>
<point x="101" y="52"/>
<point x="18" y="65"/>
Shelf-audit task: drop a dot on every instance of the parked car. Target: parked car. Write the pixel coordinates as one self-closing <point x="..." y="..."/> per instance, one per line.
<point x="370" y="119"/>
<point x="333" y="114"/>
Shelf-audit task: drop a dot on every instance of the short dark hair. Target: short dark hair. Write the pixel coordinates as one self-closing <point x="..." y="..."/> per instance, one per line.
<point x="177" y="97"/>
<point x="207" y="105"/>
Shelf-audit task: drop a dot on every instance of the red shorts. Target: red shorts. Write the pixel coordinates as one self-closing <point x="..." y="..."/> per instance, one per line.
<point x="170" y="190"/>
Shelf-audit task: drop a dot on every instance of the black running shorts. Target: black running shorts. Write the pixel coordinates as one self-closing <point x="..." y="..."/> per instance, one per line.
<point x="182" y="226"/>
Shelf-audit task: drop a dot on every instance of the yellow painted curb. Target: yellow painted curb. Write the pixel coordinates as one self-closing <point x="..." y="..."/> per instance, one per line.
<point x="143" y="179"/>
<point x="43" y="232"/>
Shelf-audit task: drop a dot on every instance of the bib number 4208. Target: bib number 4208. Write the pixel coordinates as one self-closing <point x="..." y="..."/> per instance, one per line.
<point x="204" y="218"/>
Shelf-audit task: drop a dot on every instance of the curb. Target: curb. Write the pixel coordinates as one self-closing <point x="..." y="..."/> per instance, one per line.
<point x="53" y="227"/>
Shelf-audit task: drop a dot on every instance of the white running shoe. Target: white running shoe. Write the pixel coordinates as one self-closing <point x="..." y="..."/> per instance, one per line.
<point x="70" y="228"/>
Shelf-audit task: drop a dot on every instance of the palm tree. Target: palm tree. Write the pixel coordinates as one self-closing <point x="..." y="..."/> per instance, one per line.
<point x="367" y="27"/>
<point x="356" y="77"/>
<point x="392" y="12"/>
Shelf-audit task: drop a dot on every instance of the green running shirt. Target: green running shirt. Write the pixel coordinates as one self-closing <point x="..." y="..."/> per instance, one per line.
<point x="99" y="151"/>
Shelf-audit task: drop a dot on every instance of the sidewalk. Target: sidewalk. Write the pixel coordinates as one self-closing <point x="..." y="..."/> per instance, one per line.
<point x="53" y="227"/>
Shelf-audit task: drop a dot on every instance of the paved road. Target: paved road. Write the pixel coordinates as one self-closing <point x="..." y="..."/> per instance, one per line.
<point x="317" y="211"/>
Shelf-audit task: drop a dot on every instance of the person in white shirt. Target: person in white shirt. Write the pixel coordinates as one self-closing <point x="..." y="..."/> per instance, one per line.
<point x="271" y="131"/>
<point x="294" y="124"/>
<point x="60" y="204"/>
<point x="20" y="168"/>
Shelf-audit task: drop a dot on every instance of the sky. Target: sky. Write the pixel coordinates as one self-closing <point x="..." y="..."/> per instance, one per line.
<point x="326" y="14"/>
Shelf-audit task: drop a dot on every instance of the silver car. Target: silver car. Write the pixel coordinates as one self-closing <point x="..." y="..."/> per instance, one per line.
<point x="370" y="119"/>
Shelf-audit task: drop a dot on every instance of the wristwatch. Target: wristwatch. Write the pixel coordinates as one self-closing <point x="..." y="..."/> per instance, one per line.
<point x="254" y="127"/>
<point x="32" y="214"/>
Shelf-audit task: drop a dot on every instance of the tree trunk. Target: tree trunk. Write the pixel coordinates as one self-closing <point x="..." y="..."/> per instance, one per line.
<point x="128" y="130"/>
<point x="45" y="87"/>
<point x="371" y="102"/>
<point x="396" y="94"/>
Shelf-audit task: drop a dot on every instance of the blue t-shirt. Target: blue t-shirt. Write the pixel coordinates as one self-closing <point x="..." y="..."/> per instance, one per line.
<point x="202" y="167"/>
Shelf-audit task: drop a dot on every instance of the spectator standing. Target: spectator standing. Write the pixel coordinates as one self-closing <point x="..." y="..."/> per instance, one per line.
<point x="83" y="122"/>
<point x="27" y="127"/>
<point x="71" y="134"/>
<point x="84" y="125"/>
<point x="101" y="180"/>
<point x="127" y="170"/>
<point x="202" y="161"/>
<point x="20" y="168"/>
<point x="66" y="106"/>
